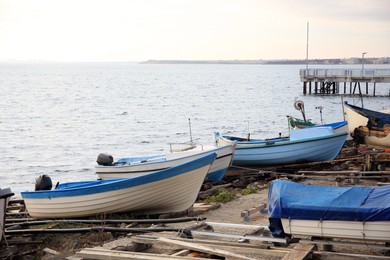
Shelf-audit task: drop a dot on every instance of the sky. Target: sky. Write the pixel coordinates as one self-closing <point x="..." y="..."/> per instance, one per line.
<point x="139" y="30"/>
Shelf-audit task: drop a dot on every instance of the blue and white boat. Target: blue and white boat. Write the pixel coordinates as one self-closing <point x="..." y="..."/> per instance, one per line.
<point x="304" y="145"/>
<point x="171" y="190"/>
<point x="141" y="165"/>
<point x="325" y="211"/>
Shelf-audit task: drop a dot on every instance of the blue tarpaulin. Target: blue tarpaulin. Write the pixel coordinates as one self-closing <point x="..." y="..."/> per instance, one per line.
<point x="307" y="202"/>
<point x="299" y="201"/>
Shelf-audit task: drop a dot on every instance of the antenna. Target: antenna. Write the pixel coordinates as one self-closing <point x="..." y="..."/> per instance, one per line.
<point x="249" y="134"/>
<point x="320" y="108"/>
<point x="189" y="123"/>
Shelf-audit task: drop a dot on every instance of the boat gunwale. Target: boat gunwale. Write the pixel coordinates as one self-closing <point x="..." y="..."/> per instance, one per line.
<point x="249" y="145"/>
<point x="144" y="171"/>
<point x="214" y="150"/>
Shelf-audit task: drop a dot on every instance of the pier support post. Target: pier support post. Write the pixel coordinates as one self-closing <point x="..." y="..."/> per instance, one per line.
<point x="304" y="87"/>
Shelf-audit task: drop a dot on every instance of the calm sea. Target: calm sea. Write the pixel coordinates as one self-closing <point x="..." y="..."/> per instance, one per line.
<point x="56" y="118"/>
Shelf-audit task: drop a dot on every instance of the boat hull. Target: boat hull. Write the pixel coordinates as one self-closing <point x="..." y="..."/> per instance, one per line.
<point x="378" y="142"/>
<point x="217" y="170"/>
<point x="288" y="152"/>
<point x="171" y="190"/>
<point x="370" y="230"/>
<point x="358" y="116"/>
<point x="354" y="119"/>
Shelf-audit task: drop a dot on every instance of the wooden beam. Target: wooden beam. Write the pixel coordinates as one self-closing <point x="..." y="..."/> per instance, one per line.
<point x="346" y="243"/>
<point x="182" y="252"/>
<point x="101" y="253"/>
<point x="233" y="225"/>
<point x="246" y="213"/>
<point x="241" y="248"/>
<point x="343" y="256"/>
<point x="254" y="238"/>
<point x="345" y="172"/>
<point x="299" y="252"/>
<point x="204" y="249"/>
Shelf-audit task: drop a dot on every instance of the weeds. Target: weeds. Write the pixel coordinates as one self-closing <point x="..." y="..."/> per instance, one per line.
<point x="250" y="189"/>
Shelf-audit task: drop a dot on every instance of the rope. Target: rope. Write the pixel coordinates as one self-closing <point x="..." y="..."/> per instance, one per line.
<point x="253" y="169"/>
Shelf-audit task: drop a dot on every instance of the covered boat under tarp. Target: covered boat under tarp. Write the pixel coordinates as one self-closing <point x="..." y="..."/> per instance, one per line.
<point x="325" y="211"/>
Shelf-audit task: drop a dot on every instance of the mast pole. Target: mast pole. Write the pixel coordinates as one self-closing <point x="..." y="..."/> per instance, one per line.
<point x="307" y="47"/>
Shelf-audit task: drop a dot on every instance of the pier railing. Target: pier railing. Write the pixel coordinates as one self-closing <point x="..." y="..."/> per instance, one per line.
<point x="345" y="75"/>
<point x="328" y="81"/>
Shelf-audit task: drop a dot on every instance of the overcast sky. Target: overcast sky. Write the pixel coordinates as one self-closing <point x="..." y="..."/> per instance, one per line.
<point x="138" y="30"/>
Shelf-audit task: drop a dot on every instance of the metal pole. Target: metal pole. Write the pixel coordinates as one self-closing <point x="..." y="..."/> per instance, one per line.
<point x="189" y="123"/>
<point x="307" y="47"/>
<point x="363" y="62"/>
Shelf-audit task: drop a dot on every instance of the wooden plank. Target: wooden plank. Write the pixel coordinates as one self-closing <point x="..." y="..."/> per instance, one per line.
<point x="343" y="256"/>
<point x="50" y="251"/>
<point x="101" y="253"/>
<point x="382" y="183"/>
<point x="299" y="252"/>
<point x="247" y="213"/>
<point x="204" y="249"/>
<point x="346" y="243"/>
<point x="146" y="239"/>
<point x="242" y="248"/>
<point x="355" y="172"/>
<point x="181" y="252"/>
<point x="233" y="225"/>
<point x="247" y="237"/>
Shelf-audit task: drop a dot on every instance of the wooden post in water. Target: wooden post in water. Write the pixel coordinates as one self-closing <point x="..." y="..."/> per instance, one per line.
<point x="354" y="88"/>
<point x="304" y="88"/>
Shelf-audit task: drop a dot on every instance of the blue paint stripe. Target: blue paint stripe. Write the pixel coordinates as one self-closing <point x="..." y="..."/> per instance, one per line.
<point x="217" y="175"/>
<point x="99" y="186"/>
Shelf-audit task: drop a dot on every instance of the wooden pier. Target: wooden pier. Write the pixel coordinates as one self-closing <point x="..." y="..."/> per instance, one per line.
<point x="342" y="81"/>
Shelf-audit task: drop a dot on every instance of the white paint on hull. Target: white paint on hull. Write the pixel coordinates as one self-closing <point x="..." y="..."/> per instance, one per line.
<point x="374" y="230"/>
<point x="169" y="195"/>
<point x="223" y="161"/>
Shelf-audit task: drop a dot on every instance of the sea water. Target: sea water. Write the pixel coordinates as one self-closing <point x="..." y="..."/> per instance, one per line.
<point x="57" y="117"/>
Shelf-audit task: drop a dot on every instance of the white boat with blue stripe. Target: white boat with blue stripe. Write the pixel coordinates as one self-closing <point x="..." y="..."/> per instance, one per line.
<point x="303" y="145"/>
<point x="141" y="165"/>
<point x="171" y="190"/>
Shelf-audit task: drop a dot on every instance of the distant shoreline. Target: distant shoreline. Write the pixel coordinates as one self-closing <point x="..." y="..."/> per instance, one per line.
<point x="384" y="60"/>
